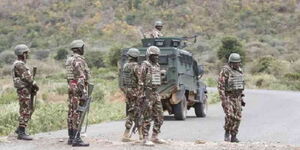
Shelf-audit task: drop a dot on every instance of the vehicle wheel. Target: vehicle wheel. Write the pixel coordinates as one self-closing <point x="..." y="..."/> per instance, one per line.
<point x="201" y="108"/>
<point x="180" y="110"/>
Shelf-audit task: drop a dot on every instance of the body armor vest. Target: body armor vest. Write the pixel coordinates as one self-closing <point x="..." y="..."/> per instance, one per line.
<point x="130" y="80"/>
<point x="18" y="83"/>
<point x="235" y="80"/>
<point x="153" y="75"/>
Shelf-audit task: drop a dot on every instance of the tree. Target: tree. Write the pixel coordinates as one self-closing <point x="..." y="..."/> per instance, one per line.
<point x="61" y="54"/>
<point x="230" y="45"/>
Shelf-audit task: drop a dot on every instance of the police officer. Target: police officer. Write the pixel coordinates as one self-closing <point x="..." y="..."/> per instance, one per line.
<point x="231" y="86"/>
<point x="26" y="89"/>
<point x="156" y="32"/>
<point x="150" y="80"/>
<point x="130" y="82"/>
<point x="78" y="75"/>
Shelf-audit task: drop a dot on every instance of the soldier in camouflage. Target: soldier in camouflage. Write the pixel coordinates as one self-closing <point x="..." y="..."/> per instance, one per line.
<point x="78" y="75"/>
<point x="26" y="88"/>
<point x="231" y="87"/>
<point x="156" y="32"/>
<point x="150" y="80"/>
<point x="130" y="81"/>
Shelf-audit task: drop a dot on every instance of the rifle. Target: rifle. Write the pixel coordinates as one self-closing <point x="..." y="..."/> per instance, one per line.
<point x="33" y="92"/>
<point x="84" y="109"/>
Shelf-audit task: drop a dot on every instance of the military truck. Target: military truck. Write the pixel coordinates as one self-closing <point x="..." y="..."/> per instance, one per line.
<point x="181" y="87"/>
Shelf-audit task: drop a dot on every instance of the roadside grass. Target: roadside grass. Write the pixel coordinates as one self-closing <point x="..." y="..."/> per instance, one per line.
<point x="213" y="97"/>
<point x="52" y="106"/>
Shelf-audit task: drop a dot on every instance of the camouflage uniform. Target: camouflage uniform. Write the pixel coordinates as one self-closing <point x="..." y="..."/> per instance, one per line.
<point x="77" y="74"/>
<point x="26" y="89"/>
<point x="131" y="72"/>
<point x="231" y="86"/>
<point x="23" y="82"/>
<point x="155" y="33"/>
<point x="150" y="78"/>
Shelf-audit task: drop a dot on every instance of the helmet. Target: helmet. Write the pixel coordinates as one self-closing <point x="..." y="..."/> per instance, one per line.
<point x="77" y="44"/>
<point x="152" y="50"/>
<point x="158" y="23"/>
<point x="133" y="52"/>
<point x="234" y="57"/>
<point x="20" y="49"/>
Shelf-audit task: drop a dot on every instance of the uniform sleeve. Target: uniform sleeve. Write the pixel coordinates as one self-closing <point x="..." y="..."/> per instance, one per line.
<point x="223" y="78"/>
<point x="142" y="74"/>
<point x="24" y="73"/>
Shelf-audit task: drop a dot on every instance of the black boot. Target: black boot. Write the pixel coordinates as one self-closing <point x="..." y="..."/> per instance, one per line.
<point x="234" y="138"/>
<point x="226" y="136"/>
<point x="17" y="130"/>
<point x="22" y="134"/>
<point x="71" y="136"/>
<point x="77" y="142"/>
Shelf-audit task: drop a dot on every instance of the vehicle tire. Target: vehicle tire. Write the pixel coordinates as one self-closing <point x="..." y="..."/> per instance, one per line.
<point x="201" y="108"/>
<point x="180" y="110"/>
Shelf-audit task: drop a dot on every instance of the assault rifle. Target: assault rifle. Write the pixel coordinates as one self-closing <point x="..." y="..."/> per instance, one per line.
<point x="33" y="92"/>
<point x="84" y="108"/>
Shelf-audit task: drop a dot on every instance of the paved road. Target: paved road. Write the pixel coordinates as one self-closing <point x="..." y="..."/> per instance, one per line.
<point x="269" y="116"/>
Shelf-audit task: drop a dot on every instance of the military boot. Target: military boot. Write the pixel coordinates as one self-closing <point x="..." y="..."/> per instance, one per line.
<point x="234" y="138"/>
<point x="71" y="136"/>
<point x="22" y="135"/>
<point x="77" y="141"/>
<point x="17" y="130"/>
<point x="126" y="136"/>
<point x="157" y="140"/>
<point x="147" y="142"/>
<point x="227" y="136"/>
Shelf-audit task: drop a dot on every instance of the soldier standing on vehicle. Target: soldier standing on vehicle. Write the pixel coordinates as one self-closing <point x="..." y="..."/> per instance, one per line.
<point x="150" y="80"/>
<point x="26" y="89"/>
<point x="156" y="32"/>
<point x="130" y="75"/>
<point x="231" y="86"/>
<point x="78" y="75"/>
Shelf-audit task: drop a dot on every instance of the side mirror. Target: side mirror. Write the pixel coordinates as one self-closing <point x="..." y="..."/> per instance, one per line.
<point x="200" y="70"/>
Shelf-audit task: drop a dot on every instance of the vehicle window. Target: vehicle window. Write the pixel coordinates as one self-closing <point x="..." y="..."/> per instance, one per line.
<point x="181" y="59"/>
<point x="175" y="43"/>
<point x="159" y="43"/>
<point x="163" y="60"/>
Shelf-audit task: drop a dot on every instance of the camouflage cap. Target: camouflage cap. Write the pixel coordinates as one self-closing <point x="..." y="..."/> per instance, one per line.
<point x="77" y="44"/>
<point x="133" y="52"/>
<point x="152" y="50"/>
<point x="234" y="57"/>
<point x="20" y="49"/>
<point x="158" y="23"/>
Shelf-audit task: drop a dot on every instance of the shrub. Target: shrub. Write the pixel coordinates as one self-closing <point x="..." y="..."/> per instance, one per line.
<point x="61" y="54"/>
<point x="114" y="55"/>
<point x="95" y="59"/>
<point x="230" y="45"/>
<point x="7" y="57"/>
<point x="41" y="54"/>
<point x="270" y="65"/>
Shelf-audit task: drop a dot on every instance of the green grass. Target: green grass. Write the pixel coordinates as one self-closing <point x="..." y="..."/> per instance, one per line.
<point x="213" y="97"/>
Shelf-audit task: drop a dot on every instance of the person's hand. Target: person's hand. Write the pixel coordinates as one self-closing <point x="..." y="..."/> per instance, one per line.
<point x="243" y="103"/>
<point x="35" y="87"/>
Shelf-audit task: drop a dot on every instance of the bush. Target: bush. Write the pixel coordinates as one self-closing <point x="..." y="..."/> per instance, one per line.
<point x="269" y="65"/>
<point x="41" y="54"/>
<point x="230" y="45"/>
<point x="7" y="57"/>
<point x="95" y="59"/>
<point x="114" y="55"/>
<point x="61" y="54"/>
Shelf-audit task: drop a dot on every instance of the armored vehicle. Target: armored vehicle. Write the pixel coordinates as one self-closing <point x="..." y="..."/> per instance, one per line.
<point x="181" y="87"/>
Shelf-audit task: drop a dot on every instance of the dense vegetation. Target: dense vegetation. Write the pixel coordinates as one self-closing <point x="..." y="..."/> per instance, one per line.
<point x="266" y="32"/>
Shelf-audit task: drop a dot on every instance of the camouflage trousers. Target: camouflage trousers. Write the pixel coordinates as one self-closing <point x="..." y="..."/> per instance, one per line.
<point x="74" y="100"/>
<point x="153" y="112"/>
<point x="233" y="113"/>
<point x="132" y="104"/>
<point x="25" y="110"/>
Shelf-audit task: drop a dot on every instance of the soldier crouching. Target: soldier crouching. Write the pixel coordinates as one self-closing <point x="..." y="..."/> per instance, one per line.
<point x="26" y="89"/>
<point x="77" y="77"/>
<point x="231" y="87"/>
